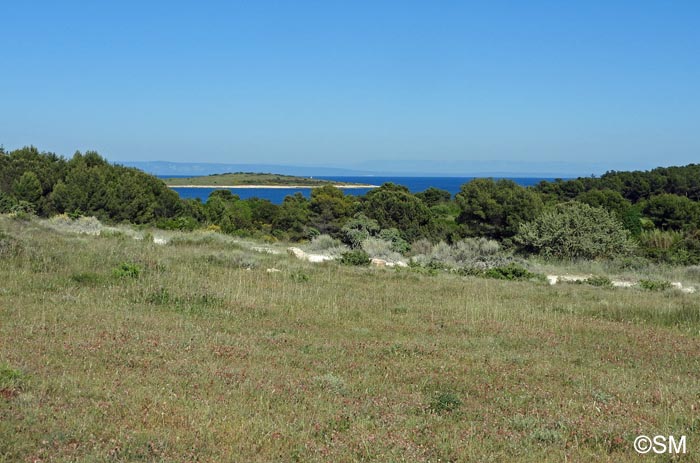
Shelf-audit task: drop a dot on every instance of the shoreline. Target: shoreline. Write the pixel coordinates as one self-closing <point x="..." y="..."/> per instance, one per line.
<point x="269" y="186"/>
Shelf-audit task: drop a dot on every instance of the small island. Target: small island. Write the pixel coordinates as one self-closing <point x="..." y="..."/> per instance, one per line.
<point x="256" y="180"/>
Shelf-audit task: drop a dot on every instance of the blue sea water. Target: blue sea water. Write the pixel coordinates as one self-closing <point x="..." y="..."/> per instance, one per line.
<point x="414" y="184"/>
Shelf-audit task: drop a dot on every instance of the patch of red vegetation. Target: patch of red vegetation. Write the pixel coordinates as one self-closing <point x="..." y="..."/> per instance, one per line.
<point x="8" y="393"/>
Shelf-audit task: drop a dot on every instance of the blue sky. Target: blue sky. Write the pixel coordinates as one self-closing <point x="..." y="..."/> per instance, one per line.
<point x="591" y="84"/>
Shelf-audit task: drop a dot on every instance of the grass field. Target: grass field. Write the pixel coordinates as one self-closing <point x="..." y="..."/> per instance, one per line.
<point x="115" y="349"/>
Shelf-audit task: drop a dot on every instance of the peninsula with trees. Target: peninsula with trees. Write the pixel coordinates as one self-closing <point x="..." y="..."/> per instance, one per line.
<point x="256" y="180"/>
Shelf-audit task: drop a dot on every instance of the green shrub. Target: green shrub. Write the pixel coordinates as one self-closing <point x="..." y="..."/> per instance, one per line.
<point x="10" y="378"/>
<point x="444" y="401"/>
<point x="510" y="272"/>
<point x="127" y="270"/>
<point x="601" y="281"/>
<point x="654" y="285"/>
<point x="575" y="230"/>
<point x="356" y="257"/>
<point x="178" y="223"/>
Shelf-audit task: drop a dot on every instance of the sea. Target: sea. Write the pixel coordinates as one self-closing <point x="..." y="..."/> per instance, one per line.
<point x="414" y="184"/>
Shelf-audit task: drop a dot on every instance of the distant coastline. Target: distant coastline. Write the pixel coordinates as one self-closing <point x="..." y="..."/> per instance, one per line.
<point x="273" y="186"/>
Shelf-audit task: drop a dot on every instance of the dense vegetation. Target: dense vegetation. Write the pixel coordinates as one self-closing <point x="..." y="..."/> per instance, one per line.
<point x="652" y="215"/>
<point x="249" y="178"/>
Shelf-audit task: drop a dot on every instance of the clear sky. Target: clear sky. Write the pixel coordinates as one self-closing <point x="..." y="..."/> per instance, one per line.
<point x="352" y="83"/>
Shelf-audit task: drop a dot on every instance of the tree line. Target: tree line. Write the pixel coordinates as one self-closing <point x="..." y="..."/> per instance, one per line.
<point x="656" y="212"/>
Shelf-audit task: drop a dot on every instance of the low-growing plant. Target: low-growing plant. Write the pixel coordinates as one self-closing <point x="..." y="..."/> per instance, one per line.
<point x="511" y="272"/>
<point x="693" y="272"/>
<point x="356" y="257"/>
<point x="9" y="246"/>
<point x="601" y="281"/>
<point x="127" y="270"/>
<point x="86" y="278"/>
<point x="299" y="277"/>
<point x="654" y="285"/>
<point x="444" y="401"/>
<point x="160" y="297"/>
<point x="327" y="245"/>
<point x="11" y="379"/>
<point x="399" y="310"/>
<point x="332" y="383"/>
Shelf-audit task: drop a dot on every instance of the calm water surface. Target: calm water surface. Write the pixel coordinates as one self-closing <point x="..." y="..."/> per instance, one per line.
<point x="415" y="184"/>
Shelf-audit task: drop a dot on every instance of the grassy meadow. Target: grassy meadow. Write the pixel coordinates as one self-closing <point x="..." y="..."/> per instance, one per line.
<point x="118" y="349"/>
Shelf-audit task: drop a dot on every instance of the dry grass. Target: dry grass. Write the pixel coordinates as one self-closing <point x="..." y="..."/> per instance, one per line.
<point x="207" y="357"/>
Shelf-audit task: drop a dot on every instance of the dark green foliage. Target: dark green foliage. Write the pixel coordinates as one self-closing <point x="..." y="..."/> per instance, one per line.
<point x="330" y="209"/>
<point x="665" y="199"/>
<point x="672" y="212"/>
<point x="632" y="220"/>
<point x="7" y="202"/>
<point x="87" y="183"/>
<point x="434" y="196"/>
<point x="292" y="218"/>
<point x="510" y="272"/>
<point x="179" y="223"/>
<point x="444" y="401"/>
<point x="355" y="257"/>
<point x="575" y="230"/>
<point x="392" y="235"/>
<point x="496" y="208"/>
<point x="600" y="281"/>
<point x="633" y="186"/>
<point x="654" y="285"/>
<point x="393" y="206"/>
<point x="358" y="229"/>
<point x="611" y="201"/>
<point x="28" y="188"/>
<point x="127" y="270"/>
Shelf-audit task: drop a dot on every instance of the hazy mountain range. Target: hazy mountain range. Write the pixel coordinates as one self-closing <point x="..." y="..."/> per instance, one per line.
<point x="391" y="168"/>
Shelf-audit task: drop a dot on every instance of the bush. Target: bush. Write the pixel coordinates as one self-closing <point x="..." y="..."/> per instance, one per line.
<point x="654" y="285"/>
<point x="575" y="230"/>
<point x="356" y="257"/>
<point x="327" y="245"/>
<point x="393" y="236"/>
<point x="422" y="246"/>
<point x="358" y="229"/>
<point x="127" y="270"/>
<point x="673" y="247"/>
<point x="478" y="253"/>
<point x="600" y="281"/>
<point x="381" y="249"/>
<point x="511" y="272"/>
